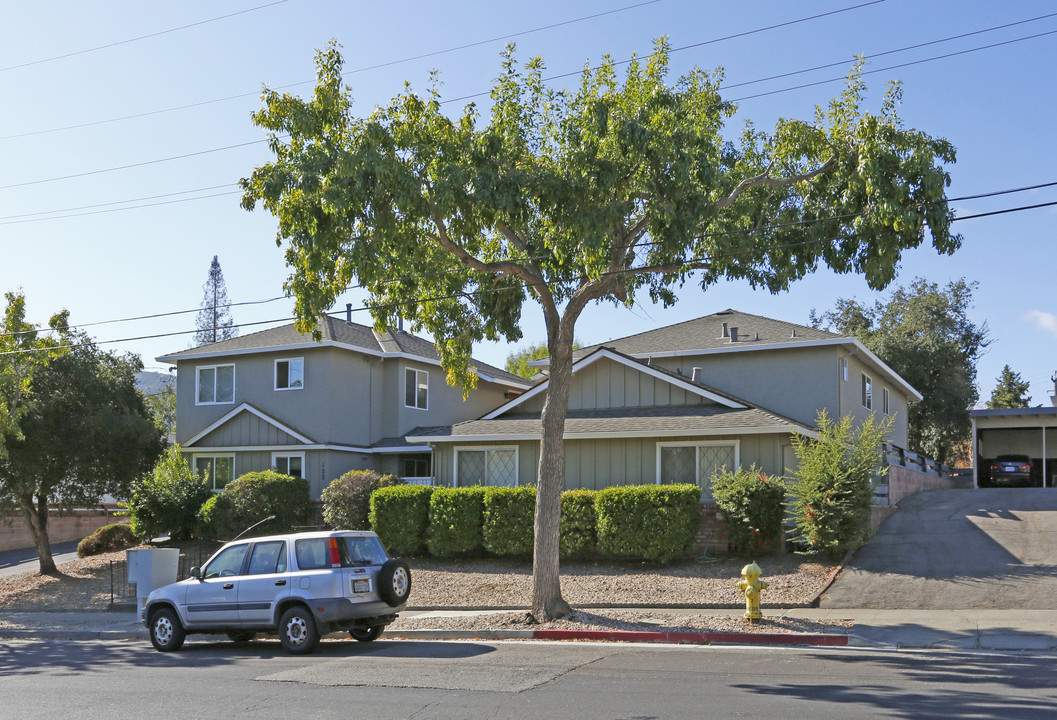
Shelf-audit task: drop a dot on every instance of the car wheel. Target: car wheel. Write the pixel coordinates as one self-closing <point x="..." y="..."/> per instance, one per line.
<point x="240" y="636"/>
<point x="369" y="634"/>
<point x="166" y="632"/>
<point x="297" y="631"/>
<point x="394" y="582"/>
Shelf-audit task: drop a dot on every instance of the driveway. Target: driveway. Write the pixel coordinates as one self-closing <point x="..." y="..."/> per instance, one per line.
<point x="958" y="549"/>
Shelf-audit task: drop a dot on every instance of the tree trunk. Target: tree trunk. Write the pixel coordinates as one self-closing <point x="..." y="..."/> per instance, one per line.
<point x="547" y="600"/>
<point x="36" y="516"/>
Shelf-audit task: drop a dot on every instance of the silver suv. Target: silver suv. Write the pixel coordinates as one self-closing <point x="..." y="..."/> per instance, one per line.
<point x="302" y="586"/>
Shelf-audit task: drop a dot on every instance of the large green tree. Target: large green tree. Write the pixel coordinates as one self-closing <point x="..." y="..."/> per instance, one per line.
<point x="518" y="361"/>
<point x="84" y="432"/>
<point x="925" y="334"/>
<point x="1010" y="392"/>
<point x="617" y="187"/>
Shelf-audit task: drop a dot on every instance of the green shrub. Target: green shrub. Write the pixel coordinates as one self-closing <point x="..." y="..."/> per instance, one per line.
<point x="455" y="516"/>
<point x="167" y="500"/>
<point x="108" y="538"/>
<point x="251" y="498"/>
<point x="578" y="536"/>
<point x="347" y="500"/>
<point x="832" y="487"/>
<point x="400" y="516"/>
<point x="652" y="522"/>
<point x="753" y="506"/>
<point x="507" y="520"/>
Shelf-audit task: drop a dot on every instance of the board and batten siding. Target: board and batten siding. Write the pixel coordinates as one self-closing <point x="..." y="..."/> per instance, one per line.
<point x="602" y="463"/>
<point x="608" y="384"/>
<point x="247" y="429"/>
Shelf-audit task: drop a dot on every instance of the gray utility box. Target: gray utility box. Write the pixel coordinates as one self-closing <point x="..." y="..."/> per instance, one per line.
<point x="150" y="569"/>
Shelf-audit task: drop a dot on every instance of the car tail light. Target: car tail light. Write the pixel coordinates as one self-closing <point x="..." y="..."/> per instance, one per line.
<point x="1025" y="467"/>
<point x="335" y="556"/>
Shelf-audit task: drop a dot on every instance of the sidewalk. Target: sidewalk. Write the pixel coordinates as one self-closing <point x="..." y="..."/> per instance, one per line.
<point x="1030" y="630"/>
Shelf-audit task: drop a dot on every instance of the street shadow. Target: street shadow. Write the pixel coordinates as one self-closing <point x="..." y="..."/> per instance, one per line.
<point x="918" y="688"/>
<point x="88" y="657"/>
<point x="913" y="635"/>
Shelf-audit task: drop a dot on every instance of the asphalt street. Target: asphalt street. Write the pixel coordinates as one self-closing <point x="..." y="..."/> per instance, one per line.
<point x="469" y="680"/>
<point x="958" y="549"/>
<point x="13" y="562"/>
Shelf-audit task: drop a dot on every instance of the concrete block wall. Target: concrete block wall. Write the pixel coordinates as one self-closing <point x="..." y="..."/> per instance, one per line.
<point x="71" y="526"/>
<point x="904" y="481"/>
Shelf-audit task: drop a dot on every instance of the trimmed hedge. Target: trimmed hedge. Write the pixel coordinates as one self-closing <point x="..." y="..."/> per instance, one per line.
<point x="652" y="522"/>
<point x="400" y="516"/>
<point x="253" y="497"/>
<point x="507" y="520"/>
<point x="455" y="516"/>
<point x="347" y="500"/>
<point x="116" y="536"/>
<point x="578" y="535"/>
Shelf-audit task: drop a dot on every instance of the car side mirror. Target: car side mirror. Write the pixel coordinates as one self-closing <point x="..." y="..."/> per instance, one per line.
<point x="196" y="573"/>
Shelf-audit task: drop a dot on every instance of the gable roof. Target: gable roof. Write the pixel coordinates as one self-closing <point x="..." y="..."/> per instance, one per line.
<point x="704" y="336"/>
<point x="340" y="334"/>
<point x="247" y="408"/>
<point x="681" y="381"/>
<point x="706" y="333"/>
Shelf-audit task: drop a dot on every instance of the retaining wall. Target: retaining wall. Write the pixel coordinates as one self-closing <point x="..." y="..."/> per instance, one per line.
<point x="903" y="481"/>
<point x="70" y="526"/>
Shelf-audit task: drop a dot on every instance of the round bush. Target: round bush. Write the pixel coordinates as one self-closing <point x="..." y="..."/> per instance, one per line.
<point x="347" y="500"/>
<point x="251" y="498"/>
<point x="117" y="536"/>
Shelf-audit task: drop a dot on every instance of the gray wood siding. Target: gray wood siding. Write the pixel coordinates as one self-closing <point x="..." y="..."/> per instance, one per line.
<point x="597" y="464"/>
<point x="609" y="384"/>
<point x="247" y="429"/>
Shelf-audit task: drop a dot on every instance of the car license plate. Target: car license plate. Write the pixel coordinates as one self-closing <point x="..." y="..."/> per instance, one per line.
<point x="361" y="585"/>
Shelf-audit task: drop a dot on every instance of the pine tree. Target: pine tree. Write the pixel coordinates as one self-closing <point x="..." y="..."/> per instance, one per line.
<point x="214" y="321"/>
<point x="1010" y="391"/>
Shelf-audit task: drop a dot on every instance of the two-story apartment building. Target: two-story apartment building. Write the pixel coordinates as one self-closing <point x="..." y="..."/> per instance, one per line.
<point x="316" y="410"/>
<point x="677" y="403"/>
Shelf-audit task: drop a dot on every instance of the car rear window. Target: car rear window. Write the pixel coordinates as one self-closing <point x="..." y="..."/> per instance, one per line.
<point x="360" y="551"/>
<point x="312" y="553"/>
<point x="353" y="551"/>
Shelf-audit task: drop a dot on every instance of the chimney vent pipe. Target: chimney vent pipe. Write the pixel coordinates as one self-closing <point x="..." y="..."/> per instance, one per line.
<point x="734" y="334"/>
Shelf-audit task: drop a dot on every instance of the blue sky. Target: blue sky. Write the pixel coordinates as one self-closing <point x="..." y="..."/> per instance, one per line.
<point x="138" y="241"/>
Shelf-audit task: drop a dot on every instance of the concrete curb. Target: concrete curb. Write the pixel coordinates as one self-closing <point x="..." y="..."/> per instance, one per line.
<point x="74" y="634"/>
<point x="617" y="606"/>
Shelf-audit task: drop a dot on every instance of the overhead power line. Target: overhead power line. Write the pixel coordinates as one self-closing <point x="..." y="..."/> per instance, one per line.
<point x="554" y="77"/>
<point x="140" y="37"/>
<point x="437" y="298"/>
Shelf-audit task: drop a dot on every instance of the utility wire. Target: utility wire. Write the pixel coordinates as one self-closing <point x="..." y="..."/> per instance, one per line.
<point x="774" y="226"/>
<point x="553" y="77"/>
<point x="141" y="37"/>
<point x="467" y="295"/>
<point x="344" y="74"/>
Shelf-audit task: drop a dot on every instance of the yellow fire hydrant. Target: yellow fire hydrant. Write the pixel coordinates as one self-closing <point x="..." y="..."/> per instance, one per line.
<point x="751" y="585"/>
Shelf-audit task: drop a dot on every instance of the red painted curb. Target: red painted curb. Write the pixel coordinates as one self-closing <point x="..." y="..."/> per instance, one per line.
<point x="692" y="637"/>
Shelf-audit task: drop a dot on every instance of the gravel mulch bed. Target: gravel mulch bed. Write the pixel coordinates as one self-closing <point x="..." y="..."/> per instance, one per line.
<point x="84" y="584"/>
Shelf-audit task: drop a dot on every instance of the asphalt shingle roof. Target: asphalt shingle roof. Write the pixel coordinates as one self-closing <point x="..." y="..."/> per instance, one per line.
<point x="335" y="330"/>
<point x="706" y="333"/>
<point x="655" y="419"/>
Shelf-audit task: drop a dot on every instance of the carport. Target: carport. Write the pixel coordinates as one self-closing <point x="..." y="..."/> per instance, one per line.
<point x="1019" y="431"/>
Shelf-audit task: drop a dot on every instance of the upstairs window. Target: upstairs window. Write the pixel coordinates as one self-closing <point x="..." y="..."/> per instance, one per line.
<point x="416" y="389"/>
<point x="867" y="392"/>
<point x="290" y="374"/>
<point x="216" y="385"/>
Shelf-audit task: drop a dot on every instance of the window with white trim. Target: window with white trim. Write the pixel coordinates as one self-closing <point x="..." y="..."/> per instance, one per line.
<point x="867" y="391"/>
<point x="885" y="407"/>
<point x="290" y="374"/>
<point x="492" y="466"/>
<point x="416" y="466"/>
<point x="219" y="470"/>
<point x="292" y="464"/>
<point x="416" y="389"/>
<point x="844" y="369"/>
<point x="695" y="463"/>
<point x="215" y="385"/>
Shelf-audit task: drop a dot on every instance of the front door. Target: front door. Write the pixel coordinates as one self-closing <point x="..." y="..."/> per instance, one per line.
<point x="214" y="599"/>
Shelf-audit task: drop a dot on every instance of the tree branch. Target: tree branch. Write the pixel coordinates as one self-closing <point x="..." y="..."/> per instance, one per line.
<point x="765" y="179"/>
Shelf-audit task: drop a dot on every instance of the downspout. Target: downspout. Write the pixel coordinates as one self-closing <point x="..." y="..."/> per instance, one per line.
<point x="976" y="458"/>
<point x="1044" y="454"/>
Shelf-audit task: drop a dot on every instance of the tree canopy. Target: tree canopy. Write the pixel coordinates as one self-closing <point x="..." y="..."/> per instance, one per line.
<point x="518" y="361"/>
<point x="925" y="334"/>
<point x="84" y="431"/>
<point x="570" y="197"/>
<point x="1010" y="392"/>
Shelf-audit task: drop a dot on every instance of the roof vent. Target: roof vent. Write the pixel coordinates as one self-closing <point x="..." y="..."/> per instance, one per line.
<point x="756" y="337"/>
<point x="734" y="334"/>
<point x="794" y="333"/>
<point x="725" y="333"/>
<point x="696" y="377"/>
<point x="348" y="313"/>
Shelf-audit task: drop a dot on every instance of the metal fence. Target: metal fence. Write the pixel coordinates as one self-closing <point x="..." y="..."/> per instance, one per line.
<point x="121" y="590"/>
